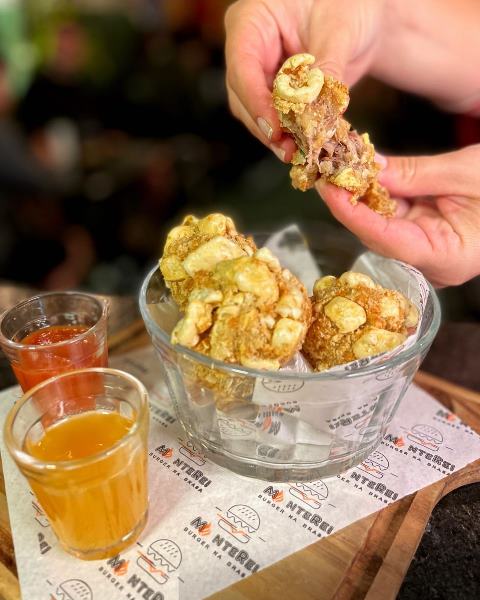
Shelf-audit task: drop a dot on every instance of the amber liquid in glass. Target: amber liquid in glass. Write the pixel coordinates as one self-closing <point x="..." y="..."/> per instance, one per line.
<point x="98" y="504"/>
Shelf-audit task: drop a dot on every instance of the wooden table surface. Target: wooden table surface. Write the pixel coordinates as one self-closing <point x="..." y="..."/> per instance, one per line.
<point x="367" y="559"/>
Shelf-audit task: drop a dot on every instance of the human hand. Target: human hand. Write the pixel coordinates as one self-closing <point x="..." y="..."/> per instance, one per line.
<point x="418" y="47"/>
<point x="437" y="225"/>
<point x="342" y="35"/>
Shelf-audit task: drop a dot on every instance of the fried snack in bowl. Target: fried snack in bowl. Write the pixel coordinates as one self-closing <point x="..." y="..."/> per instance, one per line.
<point x="310" y="106"/>
<point x="197" y="245"/>
<point x="355" y="318"/>
<point x="289" y="424"/>
<point x="247" y="311"/>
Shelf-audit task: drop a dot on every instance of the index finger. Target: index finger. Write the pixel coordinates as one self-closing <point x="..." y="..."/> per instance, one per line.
<point x="253" y="51"/>
<point x="394" y="237"/>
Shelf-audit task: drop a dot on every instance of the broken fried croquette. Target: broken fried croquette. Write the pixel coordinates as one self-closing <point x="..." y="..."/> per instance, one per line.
<point x="310" y="106"/>
<point x="355" y="318"/>
<point x="198" y="245"/>
<point x="247" y="311"/>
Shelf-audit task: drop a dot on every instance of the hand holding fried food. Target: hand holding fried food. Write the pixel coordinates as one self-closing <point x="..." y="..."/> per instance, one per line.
<point x="355" y="318"/>
<point x="310" y="107"/>
<point x="247" y="310"/>
<point x="197" y="245"/>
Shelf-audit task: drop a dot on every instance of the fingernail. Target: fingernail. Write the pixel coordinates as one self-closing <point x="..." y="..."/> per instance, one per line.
<point x="381" y="160"/>
<point x="279" y="152"/>
<point x="265" y="128"/>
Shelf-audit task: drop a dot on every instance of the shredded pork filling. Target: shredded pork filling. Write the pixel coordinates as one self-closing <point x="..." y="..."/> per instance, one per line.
<point x="328" y="147"/>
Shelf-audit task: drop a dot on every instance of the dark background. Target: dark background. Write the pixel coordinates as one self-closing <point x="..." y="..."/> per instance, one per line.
<point x="114" y="124"/>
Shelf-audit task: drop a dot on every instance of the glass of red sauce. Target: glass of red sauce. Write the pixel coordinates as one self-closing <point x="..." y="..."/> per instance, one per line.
<point x="52" y="333"/>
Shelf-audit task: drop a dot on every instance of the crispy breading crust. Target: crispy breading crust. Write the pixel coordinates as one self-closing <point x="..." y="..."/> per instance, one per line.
<point x="247" y="311"/>
<point x="197" y="245"/>
<point x="354" y="318"/>
<point x="328" y="147"/>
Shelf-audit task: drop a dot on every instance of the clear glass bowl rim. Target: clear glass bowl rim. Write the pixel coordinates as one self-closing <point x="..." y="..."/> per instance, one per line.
<point x="404" y="356"/>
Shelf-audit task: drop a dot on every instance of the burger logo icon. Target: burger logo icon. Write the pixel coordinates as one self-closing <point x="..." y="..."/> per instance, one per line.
<point x="163" y="558"/>
<point x="240" y="521"/>
<point x="426" y="436"/>
<point x="282" y="386"/>
<point x="74" y="589"/>
<point x="311" y="493"/>
<point x="233" y="428"/>
<point x="386" y="374"/>
<point x="375" y="464"/>
<point x="191" y="453"/>
<point x="362" y="424"/>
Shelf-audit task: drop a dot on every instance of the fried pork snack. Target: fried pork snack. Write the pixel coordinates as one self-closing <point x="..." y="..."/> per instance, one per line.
<point x="310" y="107"/>
<point x="247" y="311"/>
<point x="354" y="318"/>
<point x="196" y="246"/>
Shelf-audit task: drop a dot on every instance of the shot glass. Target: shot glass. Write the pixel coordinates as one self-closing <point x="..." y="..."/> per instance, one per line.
<point x="53" y="333"/>
<point x="87" y="468"/>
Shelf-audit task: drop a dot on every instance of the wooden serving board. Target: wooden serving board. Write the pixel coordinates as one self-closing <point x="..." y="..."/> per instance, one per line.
<point x="368" y="559"/>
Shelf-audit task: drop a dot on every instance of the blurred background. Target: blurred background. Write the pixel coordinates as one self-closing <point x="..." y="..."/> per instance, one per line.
<point x="114" y="124"/>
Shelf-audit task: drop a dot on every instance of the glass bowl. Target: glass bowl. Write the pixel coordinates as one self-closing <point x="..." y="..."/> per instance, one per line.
<point x="283" y="425"/>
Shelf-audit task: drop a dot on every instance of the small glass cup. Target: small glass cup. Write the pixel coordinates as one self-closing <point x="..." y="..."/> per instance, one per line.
<point x="35" y="362"/>
<point x="96" y="499"/>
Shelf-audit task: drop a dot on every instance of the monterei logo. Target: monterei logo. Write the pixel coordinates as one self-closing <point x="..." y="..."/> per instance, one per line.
<point x="308" y="496"/>
<point x="426" y="443"/>
<point x="204" y="528"/>
<point x="452" y="420"/>
<point x="164" y="451"/>
<point x="399" y="442"/>
<point x="275" y="495"/>
<point x="119" y="565"/>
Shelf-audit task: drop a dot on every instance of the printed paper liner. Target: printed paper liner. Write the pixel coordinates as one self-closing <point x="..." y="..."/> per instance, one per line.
<point x="189" y="501"/>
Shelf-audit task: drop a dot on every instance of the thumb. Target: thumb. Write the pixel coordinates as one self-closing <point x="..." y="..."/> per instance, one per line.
<point x="329" y="39"/>
<point x="397" y="238"/>
<point x="443" y="174"/>
<point x="331" y="57"/>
